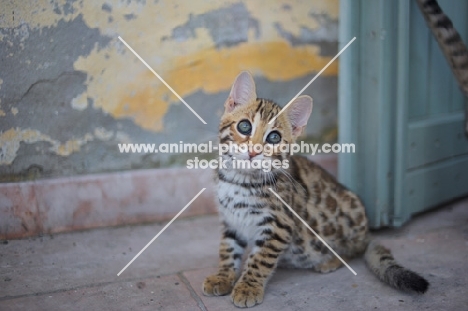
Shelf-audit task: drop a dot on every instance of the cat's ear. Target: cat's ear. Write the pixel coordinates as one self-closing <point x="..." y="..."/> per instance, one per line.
<point x="242" y="92"/>
<point x="299" y="112"/>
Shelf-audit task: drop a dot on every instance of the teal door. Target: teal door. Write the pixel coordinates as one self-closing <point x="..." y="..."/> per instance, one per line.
<point x="401" y="107"/>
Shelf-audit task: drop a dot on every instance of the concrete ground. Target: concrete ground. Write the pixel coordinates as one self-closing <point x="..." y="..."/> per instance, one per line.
<point x="78" y="271"/>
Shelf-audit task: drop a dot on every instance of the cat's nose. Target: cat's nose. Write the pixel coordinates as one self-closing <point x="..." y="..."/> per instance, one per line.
<point x="253" y="154"/>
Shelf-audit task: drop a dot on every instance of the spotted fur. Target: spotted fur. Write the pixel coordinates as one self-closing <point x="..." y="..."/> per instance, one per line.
<point x="450" y="43"/>
<point x="252" y="216"/>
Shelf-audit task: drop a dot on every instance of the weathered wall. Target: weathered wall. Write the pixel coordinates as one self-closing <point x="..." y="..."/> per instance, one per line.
<point x="70" y="90"/>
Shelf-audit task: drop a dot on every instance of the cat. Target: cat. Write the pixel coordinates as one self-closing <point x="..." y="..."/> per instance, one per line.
<point x="251" y="215"/>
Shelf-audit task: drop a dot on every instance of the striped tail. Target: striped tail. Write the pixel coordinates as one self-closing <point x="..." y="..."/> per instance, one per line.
<point x="381" y="262"/>
<point x="450" y="42"/>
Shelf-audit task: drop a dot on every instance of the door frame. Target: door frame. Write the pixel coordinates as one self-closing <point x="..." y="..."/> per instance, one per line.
<point x="373" y="105"/>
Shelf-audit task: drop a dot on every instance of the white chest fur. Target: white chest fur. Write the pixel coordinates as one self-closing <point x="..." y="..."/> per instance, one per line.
<point x="243" y="219"/>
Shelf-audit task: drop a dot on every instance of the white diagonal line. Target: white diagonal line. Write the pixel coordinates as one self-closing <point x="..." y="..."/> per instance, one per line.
<point x="162" y="80"/>
<point x="162" y="230"/>
<point x="313" y="79"/>
<point x="312" y="230"/>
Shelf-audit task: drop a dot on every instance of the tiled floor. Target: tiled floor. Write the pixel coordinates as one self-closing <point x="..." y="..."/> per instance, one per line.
<point x="78" y="271"/>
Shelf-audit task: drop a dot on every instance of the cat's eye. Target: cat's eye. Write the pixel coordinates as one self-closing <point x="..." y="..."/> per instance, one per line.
<point x="273" y="138"/>
<point x="244" y="127"/>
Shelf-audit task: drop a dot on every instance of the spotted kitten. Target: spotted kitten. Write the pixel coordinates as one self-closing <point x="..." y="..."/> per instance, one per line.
<point x="252" y="216"/>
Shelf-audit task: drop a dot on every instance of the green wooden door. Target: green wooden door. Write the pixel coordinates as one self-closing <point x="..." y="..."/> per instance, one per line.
<point x="400" y="105"/>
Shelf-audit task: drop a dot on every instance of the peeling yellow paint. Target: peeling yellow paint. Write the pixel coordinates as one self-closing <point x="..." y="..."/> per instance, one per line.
<point x="11" y="139"/>
<point x="146" y="107"/>
<point x="103" y="134"/>
<point x="10" y="143"/>
<point x="37" y="14"/>
<point x="80" y="102"/>
<point x="146" y="100"/>
<point x="40" y="13"/>
<point x="268" y="13"/>
<point x="123" y="87"/>
<point x="273" y="60"/>
<point x="70" y="146"/>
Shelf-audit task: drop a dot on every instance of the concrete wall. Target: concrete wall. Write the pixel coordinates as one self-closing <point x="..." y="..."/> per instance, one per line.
<point x="70" y="91"/>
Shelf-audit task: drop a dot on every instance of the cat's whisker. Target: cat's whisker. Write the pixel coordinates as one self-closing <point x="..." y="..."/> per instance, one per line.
<point x="293" y="181"/>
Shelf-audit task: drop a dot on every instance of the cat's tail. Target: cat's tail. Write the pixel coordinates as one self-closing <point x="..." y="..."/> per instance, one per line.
<point x="380" y="260"/>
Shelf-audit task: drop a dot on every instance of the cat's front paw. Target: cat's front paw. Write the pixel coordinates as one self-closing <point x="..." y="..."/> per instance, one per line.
<point x="217" y="285"/>
<point x="246" y="295"/>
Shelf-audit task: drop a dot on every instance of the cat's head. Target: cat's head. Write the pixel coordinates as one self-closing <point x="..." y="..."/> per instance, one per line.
<point x="246" y="121"/>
